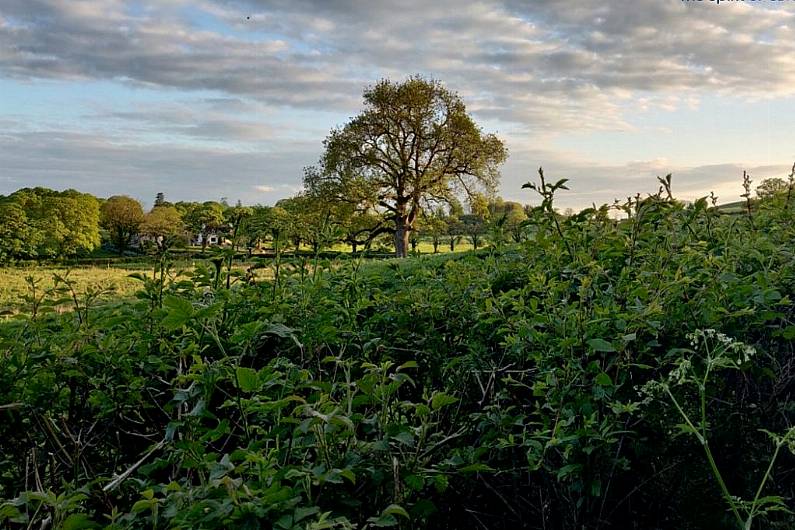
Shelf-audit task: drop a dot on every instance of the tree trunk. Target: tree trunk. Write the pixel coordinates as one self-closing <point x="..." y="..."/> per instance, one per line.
<point x="402" y="232"/>
<point x="353" y="246"/>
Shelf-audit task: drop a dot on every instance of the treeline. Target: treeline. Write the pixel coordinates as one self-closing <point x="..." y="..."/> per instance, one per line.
<point x="44" y="224"/>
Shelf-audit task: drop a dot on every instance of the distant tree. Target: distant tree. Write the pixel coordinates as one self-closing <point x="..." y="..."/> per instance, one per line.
<point x="473" y="224"/>
<point x="474" y="227"/>
<point x="66" y="223"/>
<point x="122" y="217"/>
<point x="771" y="187"/>
<point x="235" y="217"/>
<point x="435" y="227"/>
<point x="203" y="219"/>
<point x="77" y="217"/>
<point x="479" y="206"/>
<point x="164" y="225"/>
<point x="280" y="224"/>
<point x="360" y="228"/>
<point x="455" y="230"/>
<point x="346" y="206"/>
<point x="312" y="220"/>
<point x="160" y="199"/>
<point x="414" y="143"/>
<point x="505" y="220"/>
<point x="256" y="228"/>
<point x="18" y="239"/>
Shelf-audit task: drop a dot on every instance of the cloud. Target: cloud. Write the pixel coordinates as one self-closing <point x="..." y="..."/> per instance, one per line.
<point x="530" y="63"/>
<point x="531" y="69"/>
<point x="92" y="163"/>
<point x="192" y="122"/>
<point x="281" y="190"/>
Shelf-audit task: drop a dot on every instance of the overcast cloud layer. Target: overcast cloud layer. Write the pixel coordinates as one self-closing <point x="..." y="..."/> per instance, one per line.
<point x="207" y="99"/>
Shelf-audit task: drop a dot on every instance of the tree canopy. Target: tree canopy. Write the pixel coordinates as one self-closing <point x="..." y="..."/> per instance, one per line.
<point x="164" y="225"/>
<point x="122" y="217"/>
<point x="43" y="223"/>
<point x="413" y="144"/>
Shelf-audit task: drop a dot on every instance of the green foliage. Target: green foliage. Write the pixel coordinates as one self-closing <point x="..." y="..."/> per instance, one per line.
<point x="414" y="142"/>
<point x="18" y="239"/>
<point x="42" y="223"/>
<point x="505" y="388"/>
<point x="163" y="226"/>
<point x="203" y="218"/>
<point x="714" y="352"/>
<point x="122" y="217"/>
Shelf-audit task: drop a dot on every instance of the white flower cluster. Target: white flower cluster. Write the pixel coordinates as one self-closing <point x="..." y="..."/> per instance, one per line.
<point x="678" y="375"/>
<point x="721" y="352"/>
<point x="650" y="391"/>
<point x="743" y="351"/>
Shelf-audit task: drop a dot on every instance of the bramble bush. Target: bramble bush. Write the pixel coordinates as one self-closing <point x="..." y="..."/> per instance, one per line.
<point x="551" y="384"/>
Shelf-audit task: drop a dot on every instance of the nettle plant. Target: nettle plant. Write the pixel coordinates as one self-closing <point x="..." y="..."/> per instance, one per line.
<point x="712" y="352"/>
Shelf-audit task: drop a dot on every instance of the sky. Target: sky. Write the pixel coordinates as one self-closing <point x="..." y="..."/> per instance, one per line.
<point x="211" y="99"/>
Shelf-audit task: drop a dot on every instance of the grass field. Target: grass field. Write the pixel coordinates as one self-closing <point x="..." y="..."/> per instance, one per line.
<point x="116" y="276"/>
<point x="14" y="283"/>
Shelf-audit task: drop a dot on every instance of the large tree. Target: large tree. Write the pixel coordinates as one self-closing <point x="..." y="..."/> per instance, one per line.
<point x="163" y="224"/>
<point x="18" y="239"/>
<point x="62" y="223"/>
<point x="122" y="217"/>
<point x="413" y="144"/>
<point x="771" y="187"/>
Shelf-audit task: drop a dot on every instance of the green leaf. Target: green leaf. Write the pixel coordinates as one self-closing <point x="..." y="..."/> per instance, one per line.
<point x="567" y="470"/>
<point x="141" y="506"/>
<point x="247" y="379"/>
<point x="395" y="509"/>
<point x="603" y="379"/>
<point x="476" y="468"/>
<point x="383" y="521"/>
<point x="440" y="399"/>
<point x="348" y="474"/>
<point x="10" y="512"/>
<point x="408" y="364"/>
<point x="414" y="482"/>
<point x="303" y="513"/>
<point x="180" y="311"/>
<point x="78" y="521"/>
<point x="405" y="438"/>
<point x="601" y="345"/>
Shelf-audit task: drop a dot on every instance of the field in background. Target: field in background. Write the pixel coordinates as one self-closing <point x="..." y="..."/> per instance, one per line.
<point x="14" y="286"/>
<point x="116" y="279"/>
<point x="115" y="274"/>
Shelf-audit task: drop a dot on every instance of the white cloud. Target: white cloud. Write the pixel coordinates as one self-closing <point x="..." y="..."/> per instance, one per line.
<point x="537" y="68"/>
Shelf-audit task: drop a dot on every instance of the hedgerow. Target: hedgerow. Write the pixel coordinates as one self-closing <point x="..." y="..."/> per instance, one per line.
<point x="624" y="373"/>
